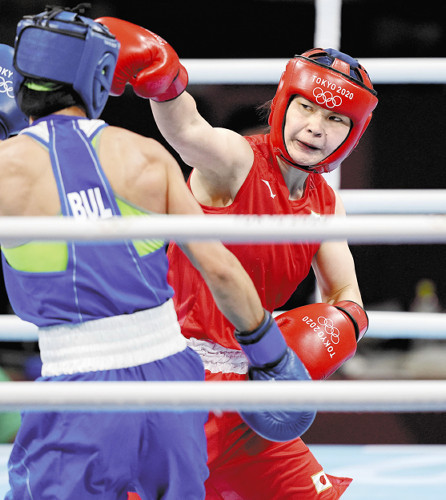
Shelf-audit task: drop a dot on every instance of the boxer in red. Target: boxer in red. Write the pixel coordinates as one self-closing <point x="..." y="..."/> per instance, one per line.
<point x="322" y="106"/>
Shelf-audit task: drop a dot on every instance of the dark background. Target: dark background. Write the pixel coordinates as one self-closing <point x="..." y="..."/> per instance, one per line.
<point x="402" y="148"/>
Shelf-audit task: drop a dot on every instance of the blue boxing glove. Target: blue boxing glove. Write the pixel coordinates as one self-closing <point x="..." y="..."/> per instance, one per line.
<point x="12" y="120"/>
<point x="271" y="359"/>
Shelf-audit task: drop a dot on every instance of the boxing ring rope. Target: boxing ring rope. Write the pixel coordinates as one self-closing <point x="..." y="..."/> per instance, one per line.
<point x="394" y="201"/>
<point x="268" y="71"/>
<point x="416" y="70"/>
<point x="328" y="396"/>
<point x="327" y="24"/>
<point x="359" y="229"/>
<point x="252" y="229"/>
<point x="383" y="325"/>
<point x="356" y="229"/>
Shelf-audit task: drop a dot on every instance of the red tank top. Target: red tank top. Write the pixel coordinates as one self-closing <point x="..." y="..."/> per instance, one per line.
<point x="276" y="270"/>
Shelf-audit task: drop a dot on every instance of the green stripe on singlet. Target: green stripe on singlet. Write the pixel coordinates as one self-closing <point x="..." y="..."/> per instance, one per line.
<point x="143" y="247"/>
<point x="50" y="257"/>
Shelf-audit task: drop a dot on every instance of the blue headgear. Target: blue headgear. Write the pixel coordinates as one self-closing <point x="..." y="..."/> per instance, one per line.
<point x="12" y="120"/>
<point x="59" y="45"/>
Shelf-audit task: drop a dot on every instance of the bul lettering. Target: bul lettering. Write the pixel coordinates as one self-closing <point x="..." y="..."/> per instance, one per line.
<point x="88" y="204"/>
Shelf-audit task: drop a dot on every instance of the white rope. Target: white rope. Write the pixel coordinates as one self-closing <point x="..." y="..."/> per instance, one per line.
<point x="383" y="325"/>
<point x="394" y="201"/>
<point x="406" y="325"/>
<point x="235" y="228"/>
<point x="268" y="71"/>
<point x="331" y="396"/>
<point x="13" y="329"/>
<point x="327" y="34"/>
<point x="327" y="31"/>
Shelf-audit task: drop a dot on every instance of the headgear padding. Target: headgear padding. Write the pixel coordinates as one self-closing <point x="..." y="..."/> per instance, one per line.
<point x="12" y="120"/>
<point x="330" y="86"/>
<point x="62" y="46"/>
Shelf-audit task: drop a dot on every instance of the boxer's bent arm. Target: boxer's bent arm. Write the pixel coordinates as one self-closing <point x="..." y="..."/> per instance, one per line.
<point x="334" y="269"/>
<point x="335" y="273"/>
<point x="232" y="289"/>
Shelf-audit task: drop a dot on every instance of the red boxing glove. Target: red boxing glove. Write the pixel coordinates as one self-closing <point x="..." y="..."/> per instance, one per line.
<point x="146" y="61"/>
<point x="324" y="336"/>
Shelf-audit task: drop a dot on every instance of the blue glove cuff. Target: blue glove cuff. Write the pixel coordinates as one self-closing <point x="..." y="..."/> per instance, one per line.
<point x="265" y="346"/>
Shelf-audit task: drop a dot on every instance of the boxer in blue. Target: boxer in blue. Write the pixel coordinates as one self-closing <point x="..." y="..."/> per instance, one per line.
<point x="104" y="310"/>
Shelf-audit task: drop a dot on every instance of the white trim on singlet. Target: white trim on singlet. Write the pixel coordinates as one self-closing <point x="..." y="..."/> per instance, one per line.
<point x="219" y="359"/>
<point x="111" y="343"/>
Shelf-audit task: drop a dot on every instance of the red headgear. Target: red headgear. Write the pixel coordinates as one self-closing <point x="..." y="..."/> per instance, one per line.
<point x="331" y="87"/>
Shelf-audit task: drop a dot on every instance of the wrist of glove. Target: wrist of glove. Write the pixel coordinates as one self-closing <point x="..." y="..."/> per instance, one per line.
<point x="176" y="88"/>
<point x="357" y="315"/>
<point x="264" y="346"/>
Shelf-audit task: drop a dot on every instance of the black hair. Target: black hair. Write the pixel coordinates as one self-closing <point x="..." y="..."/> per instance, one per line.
<point x="264" y="110"/>
<point x="39" y="103"/>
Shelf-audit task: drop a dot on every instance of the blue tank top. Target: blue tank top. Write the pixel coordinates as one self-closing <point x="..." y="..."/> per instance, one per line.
<point x="94" y="280"/>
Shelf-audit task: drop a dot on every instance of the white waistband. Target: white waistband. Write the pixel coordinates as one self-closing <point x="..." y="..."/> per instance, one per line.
<point x="219" y="359"/>
<point x="111" y="343"/>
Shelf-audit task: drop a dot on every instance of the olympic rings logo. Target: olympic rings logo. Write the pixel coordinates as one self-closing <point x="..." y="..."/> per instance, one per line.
<point x="329" y="328"/>
<point x="327" y="98"/>
<point x="6" y="87"/>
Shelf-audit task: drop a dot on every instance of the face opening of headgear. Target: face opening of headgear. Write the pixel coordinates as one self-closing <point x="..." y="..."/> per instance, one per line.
<point x="334" y="81"/>
<point x="60" y="45"/>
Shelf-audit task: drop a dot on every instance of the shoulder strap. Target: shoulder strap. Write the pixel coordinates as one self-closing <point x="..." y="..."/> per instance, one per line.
<point x="84" y="190"/>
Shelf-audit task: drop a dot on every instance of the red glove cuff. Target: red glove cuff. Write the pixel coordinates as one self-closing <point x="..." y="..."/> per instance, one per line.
<point x="177" y="87"/>
<point x="357" y="314"/>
